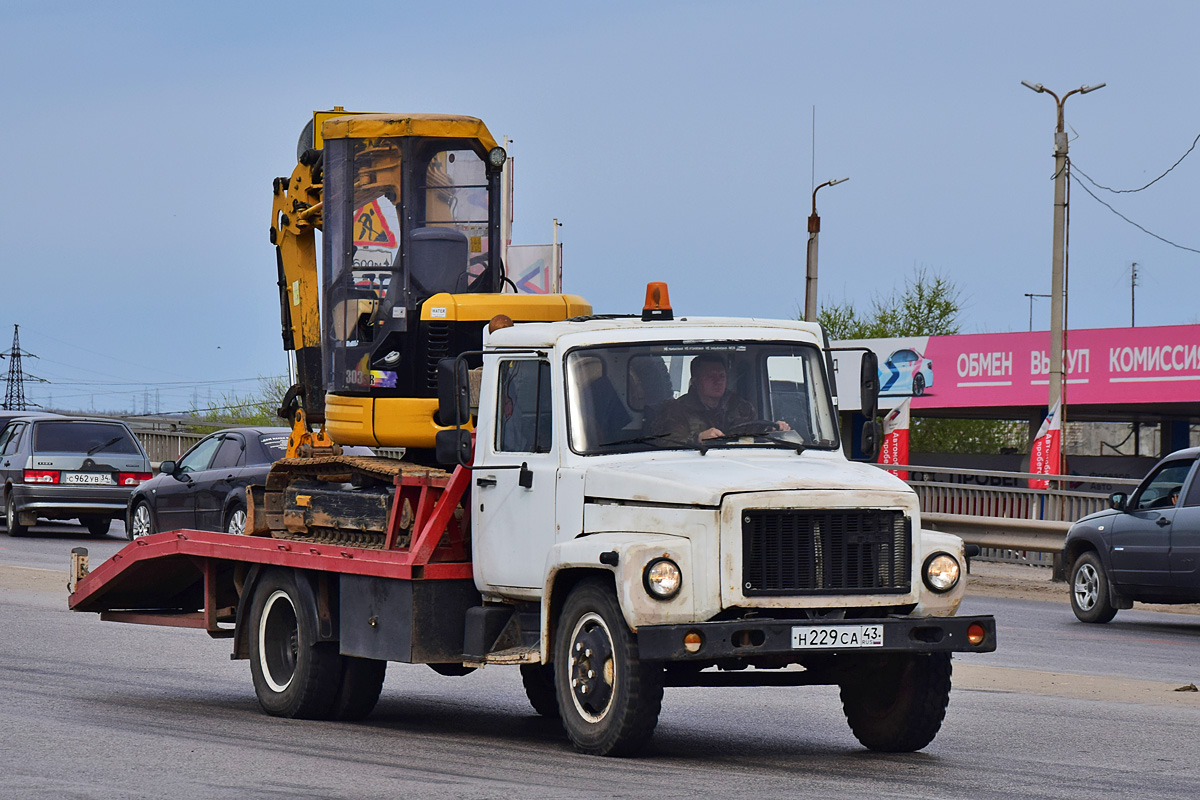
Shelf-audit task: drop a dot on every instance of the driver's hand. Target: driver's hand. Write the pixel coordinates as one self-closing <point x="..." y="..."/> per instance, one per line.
<point x="782" y="426"/>
<point x="711" y="433"/>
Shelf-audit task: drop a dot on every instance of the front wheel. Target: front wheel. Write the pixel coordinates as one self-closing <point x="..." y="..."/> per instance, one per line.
<point x="294" y="674"/>
<point x="12" y="519"/>
<point x="1089" y="590"/>
<point x="896" y="703"/>
<point x="608" y="698"/>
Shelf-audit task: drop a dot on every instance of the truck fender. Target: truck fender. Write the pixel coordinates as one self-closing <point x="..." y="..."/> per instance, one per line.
<point x="569" y="562"/>
<point x="932" y="604"/>
<point x="317" y="596"/>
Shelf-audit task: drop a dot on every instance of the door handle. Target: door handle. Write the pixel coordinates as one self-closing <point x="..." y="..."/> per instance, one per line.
<point x="488" y="481"/>
<point x="1162" y="522"/>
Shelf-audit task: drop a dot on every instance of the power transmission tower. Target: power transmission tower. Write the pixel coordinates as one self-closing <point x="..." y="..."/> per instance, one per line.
<point x="14" y="394"/>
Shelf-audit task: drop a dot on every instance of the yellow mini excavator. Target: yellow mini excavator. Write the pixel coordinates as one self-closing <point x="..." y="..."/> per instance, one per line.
<point x="409" y="207"/>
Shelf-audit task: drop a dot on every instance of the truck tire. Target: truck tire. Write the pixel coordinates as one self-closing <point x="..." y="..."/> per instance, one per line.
<point x="294" y="675"/>
<point x="539" y="688"/>
<point x="608" y="698"/>
<point x="1089" y="590"/>
<point x="895" y="703"/>
<point x="362" y="681"/>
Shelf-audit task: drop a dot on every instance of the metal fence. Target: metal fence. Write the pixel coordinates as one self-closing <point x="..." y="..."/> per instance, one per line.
<point x="163" y="445"/>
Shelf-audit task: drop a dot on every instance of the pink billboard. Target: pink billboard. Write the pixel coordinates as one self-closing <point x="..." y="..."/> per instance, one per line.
<point x="1104" y="366"/>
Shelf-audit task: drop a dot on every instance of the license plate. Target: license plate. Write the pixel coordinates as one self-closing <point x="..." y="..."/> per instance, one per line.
<point x="102" y="478"/>
<point x="824" y="637"/>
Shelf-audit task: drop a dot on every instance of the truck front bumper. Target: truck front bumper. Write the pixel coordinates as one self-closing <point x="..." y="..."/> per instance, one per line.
<point x="750" y="638"/>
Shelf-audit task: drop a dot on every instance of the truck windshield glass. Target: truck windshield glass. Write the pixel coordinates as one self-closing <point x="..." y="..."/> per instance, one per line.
<point x="666" y="396"/>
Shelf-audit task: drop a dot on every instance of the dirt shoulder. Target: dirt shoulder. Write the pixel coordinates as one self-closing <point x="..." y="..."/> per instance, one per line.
<point x="1026" y="582"/>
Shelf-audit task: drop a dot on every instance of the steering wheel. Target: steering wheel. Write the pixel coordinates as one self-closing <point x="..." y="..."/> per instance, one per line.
<point x="754" y="427"/>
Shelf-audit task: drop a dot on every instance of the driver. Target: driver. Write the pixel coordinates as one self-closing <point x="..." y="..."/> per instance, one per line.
<point x="707" y="411"/>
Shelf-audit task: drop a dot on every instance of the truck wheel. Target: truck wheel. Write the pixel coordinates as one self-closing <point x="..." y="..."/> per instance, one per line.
<point x="1089" y="590"/>
<point x="362" y="681"/>
<point x="896" y="703"/>
<point x="539" y="688"/>
<point x="12" y="519"/>
<point x="294" y="675"/>
<point x="608" y="698"/>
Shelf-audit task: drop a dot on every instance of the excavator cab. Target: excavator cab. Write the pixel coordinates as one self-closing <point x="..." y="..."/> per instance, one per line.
<point x="411" y="268"/>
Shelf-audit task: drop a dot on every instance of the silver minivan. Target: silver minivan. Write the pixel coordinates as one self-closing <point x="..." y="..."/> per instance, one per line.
<point x="69" y="468"/>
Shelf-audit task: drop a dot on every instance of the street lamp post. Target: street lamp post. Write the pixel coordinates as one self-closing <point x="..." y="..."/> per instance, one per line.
<point x="814" y="228"/>
<point x="1057" y="292"/>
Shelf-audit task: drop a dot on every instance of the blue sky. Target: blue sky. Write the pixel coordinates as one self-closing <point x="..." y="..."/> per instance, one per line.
<point x="673" y="139"/>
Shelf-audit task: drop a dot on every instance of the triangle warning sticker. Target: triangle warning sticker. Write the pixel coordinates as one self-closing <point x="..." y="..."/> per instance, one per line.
<point x="371" y="227"/>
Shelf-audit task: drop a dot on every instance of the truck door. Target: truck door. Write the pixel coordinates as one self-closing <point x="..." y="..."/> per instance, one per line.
<point x="513" y="523"/>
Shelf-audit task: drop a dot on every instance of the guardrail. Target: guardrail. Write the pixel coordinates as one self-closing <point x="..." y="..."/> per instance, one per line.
<point x="998" y="510"/>
<point x="170" y="445"/>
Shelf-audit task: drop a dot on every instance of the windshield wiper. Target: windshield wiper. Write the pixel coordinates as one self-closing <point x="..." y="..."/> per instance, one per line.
<point x="799" y="447"/>
<point x="100" y="447"/>
<point x="653" y="437"/>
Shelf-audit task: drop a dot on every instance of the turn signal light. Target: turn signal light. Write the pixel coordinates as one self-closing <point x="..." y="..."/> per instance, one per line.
<point x="976" y="634"/>
<point x="132" y="478"/>
<point x="41" y="476"/>
<point x="692" y="641"/>
<point x="658" y="302"/>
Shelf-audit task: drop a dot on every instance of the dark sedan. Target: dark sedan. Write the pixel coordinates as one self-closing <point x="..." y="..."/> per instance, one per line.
<point x="206" y="488"/>
<point x="1145" y="548"/>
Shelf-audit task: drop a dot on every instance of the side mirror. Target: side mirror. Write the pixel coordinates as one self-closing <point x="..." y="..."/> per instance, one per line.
<point x="454" y="392"/>
<point x="453" y="446"/>
<point x="1117" y="500"/>
<point x="868" y="384"/>
<point x="872" y="439"/>
<point x="167" y="468"/>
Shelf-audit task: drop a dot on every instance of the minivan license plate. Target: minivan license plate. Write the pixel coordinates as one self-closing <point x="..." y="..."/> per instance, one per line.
<point x="88" y="477"/>
<point x="824" y="637"/>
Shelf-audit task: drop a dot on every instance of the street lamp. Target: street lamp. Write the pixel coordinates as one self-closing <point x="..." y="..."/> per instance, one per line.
<point x="1057" y="292"/>
<point x="814" y="228"/>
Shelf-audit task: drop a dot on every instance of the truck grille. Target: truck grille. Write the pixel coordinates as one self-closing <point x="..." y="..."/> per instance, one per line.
<point x="787" y="551"/>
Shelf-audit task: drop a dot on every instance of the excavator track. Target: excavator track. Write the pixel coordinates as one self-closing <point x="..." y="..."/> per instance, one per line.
<point x="311" y="499"/>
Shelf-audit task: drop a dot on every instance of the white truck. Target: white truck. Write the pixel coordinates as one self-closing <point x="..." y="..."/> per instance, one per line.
<point x="588" y="538"/>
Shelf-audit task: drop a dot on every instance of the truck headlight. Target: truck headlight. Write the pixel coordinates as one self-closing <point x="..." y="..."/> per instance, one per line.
<point x="941" y="572"/>
<point x="662" y="579"/>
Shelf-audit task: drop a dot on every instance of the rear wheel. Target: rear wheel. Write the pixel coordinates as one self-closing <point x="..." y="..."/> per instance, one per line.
<point x="362" y="681"/>
<point x="294" y="674"/>
<point x="609" y="698"/>
<point x="12" y="519"/>
<point x="140" y="522"/>
<point x="235" y="519"/>
<point x="918" y="385"/>
<point x="1089" y="590"/>
<point x="539" y="688"/>
<point x="97" y="526"/>
<point x="896" y="703"/>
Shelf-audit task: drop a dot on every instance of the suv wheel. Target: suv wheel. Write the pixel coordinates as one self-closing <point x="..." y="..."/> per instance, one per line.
<point x="1089" y="589"/>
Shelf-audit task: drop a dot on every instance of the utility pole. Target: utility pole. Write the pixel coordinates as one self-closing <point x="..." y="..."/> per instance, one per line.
<point x="1132" y="288"/>
<point x="1057" y="288"/>
<point x="814" y="228"/>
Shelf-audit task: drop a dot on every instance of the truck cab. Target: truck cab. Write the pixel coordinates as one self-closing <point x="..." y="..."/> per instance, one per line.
<point x="750" y="543"/>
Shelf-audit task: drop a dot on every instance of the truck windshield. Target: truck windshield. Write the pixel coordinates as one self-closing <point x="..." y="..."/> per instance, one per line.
<point x="666" y="396"/>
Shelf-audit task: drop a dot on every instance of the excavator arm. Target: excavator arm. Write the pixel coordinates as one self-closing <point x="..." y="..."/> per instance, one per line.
<point x="295" y="218"/>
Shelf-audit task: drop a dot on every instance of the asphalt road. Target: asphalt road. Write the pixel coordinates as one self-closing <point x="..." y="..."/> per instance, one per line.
<point x="92" y="709"/>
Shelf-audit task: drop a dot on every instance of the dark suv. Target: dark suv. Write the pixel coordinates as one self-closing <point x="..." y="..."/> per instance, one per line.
<point x="68" y="468"/>
<point x="1145" y="548"/>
